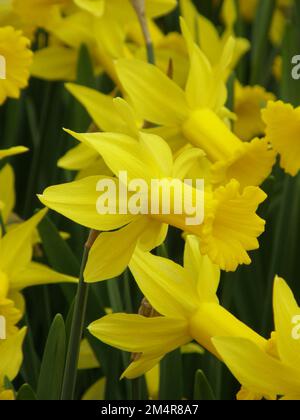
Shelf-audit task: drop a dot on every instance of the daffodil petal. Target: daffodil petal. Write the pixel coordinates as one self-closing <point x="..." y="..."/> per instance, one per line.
<point x="112" y="251"/>
<point x="255" y="370"/>
<point x="7" y="191"/>
<point x="11" y="355"/>
<point x="157" y="98"/>
<point x="202" y="269"/>
<point x="77" y="201"/>
<point x="16" y="246"/>
<point x="137" y="334"/>
<point x="285" y="311"/>
<point x="167" y="285"/>
<point x="100" y="107"/>
<point x="37" y="274"/>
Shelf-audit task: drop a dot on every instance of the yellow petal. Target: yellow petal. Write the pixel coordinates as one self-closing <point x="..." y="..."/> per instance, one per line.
<point x="80" y="157"/>
<point x="166" y="285"/>
<point x="145" y="364"/>
<point x="254" y="369"/>
<point x="285" y="311"/>
<point x="249" y="100"/>
<point x="96" y="392"/>
<point x="152" y="381"/>
<point x="95" y="7"/>
<point x="11" y="355"/>
<point x="137" y="334"/>
<point x="185" y="161"/>
<point x="77" y="201"/>
<point x="36" y="274"/>
<point x="202" y="270"/>
<point x="87" y="358"/>
<point x="231" y="226"/>
<point x="148" y="158"/>
<point x="12" y="151"/>
<point x="112" y="252"/>
<point x="16" y="246"/>
<point x="152" y="93"/>
<point x="100" y="107"/>
<point x="283" y="128"/>
<point x="7" y="191"/>
<point x="55" y="63"/>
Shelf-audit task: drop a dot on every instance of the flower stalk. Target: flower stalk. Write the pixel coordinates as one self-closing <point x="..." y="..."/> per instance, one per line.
<point x="140" y="9"/>
<point x="70" y="375"/>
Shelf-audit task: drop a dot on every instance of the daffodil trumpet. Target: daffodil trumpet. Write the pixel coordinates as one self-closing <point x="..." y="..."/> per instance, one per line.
<point x="230" y="227"/>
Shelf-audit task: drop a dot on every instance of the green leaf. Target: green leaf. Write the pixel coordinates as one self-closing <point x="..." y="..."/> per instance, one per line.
<point x="26" y="393"/>
<point x="260" y="40"/>
<point x="59" y="254"/>
<point x="52" y="368"/>
<point x="171" y="374"/>
<point x="202" y="389"/>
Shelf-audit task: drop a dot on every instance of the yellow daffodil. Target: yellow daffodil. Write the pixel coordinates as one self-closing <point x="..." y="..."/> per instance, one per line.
<point x="207" y="35"/>
<point x="197" y="114"/>
<point x="282" y="131"/>
<point x="11" y="358"/>
<point x="248" y="103"/>
<point x="15" y="60"/>
<point x="17" y="271"/>
<point x="101" y="26"/>
<point x="38" y="12"/>
<point x="230" y="227"/>
<point x="275" y="373"/>
<point x="188" y="306"/>
<point x="248" y="8"/>
<point x="122" y="9"/>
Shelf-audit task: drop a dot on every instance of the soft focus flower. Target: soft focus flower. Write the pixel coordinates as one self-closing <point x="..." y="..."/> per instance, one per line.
<point x="17" y="271"/>
<point x="11" y="358"/>
<point x="282" y="131"/>
<point x="248" y="103"/>
<point x="14" y="49"/>
<point x="207" y="36"/>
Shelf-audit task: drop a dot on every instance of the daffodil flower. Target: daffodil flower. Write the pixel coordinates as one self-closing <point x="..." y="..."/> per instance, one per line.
<point x="122" y="9"/>
<point x="38" y="13"/>
<point x="101" y="26"/>
<point x="207" y="35"/>
<point x="198" y="113"/>
<point x="15" y="61"/>
<point x="248" y="104"/>
<point x="273" y="373"/>
<point x="231" y="225"/>
<point x="185" y="297"/>
<point x="11" y="358"/>
<point x="282" y="130"/>
<point x="17" y="271"/>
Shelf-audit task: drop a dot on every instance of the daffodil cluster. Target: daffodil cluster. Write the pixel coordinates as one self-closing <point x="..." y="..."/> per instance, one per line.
<point x="166" y="109"/>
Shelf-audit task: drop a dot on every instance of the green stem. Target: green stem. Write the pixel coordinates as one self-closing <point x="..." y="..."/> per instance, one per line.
<point x="70" y="375"/>
<point x="139" y="6"/>
<point x="279" y="242"/>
